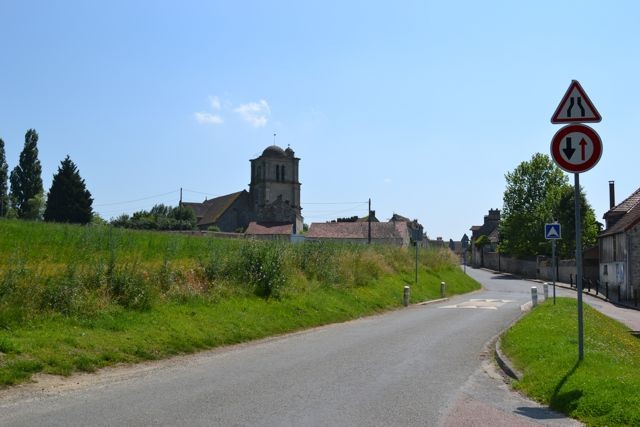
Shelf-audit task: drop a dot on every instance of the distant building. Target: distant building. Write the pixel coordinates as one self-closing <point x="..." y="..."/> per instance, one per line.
<point x="489" y="228"/>
<point x="273" y="196"/>
<point x="391" y="233"/>
<point x="619" y="246"/>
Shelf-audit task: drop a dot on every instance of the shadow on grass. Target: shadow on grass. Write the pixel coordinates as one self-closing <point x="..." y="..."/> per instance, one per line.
<point x="566" y="402"/>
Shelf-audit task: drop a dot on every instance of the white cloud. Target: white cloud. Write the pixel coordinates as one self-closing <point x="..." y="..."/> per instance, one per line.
<point x="208" y="118"/>
<point x="215" y="102"/>
<point x="255" y="113"/>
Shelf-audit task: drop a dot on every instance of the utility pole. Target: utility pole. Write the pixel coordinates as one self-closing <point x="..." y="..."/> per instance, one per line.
<point x="369" y="221"/>
<point x="180" y="203"/>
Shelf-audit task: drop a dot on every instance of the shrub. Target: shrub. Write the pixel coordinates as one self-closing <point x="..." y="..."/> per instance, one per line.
<point x="262" y="267"/>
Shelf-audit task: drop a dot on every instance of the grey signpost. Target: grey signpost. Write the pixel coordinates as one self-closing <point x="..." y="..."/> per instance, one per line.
<point x="553" y="232"/>
<point x="576" y="108"/>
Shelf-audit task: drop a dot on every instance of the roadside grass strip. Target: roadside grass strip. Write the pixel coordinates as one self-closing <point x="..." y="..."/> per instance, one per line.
<point x="80" y="298"/>
<point x="603" y="389"/>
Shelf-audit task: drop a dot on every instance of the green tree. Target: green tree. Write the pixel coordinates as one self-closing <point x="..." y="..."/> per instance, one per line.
<point x="68" y="199"/>
<point x="480" y="243"/>
<point x="532" y="192"/>
<point x="564" y="213"/>
<point x="26" y="180"/>
<point x="4" y="175"/>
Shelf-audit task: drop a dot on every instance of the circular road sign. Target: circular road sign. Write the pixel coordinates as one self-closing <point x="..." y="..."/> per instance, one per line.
<point x="576" y="148"/>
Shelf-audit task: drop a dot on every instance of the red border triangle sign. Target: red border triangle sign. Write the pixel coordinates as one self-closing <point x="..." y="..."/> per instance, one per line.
<point x="575" y="107"/>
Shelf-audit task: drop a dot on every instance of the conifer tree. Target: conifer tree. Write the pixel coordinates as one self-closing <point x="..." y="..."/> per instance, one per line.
<point x="4" y="175"/>
<point x="26" y="180"/>
<point x="68" y="199"/>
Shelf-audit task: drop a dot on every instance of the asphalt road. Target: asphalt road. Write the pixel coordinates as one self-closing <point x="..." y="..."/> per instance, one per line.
<point x="422" y="365"/>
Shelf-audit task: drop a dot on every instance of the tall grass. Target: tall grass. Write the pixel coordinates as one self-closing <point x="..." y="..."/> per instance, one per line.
<point x="79" y="298"/>
<point x="83" y="271"/>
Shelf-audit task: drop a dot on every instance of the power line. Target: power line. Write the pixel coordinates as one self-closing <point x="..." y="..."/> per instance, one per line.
<point x="335" y="203"/>
<point x="137" y="200"/>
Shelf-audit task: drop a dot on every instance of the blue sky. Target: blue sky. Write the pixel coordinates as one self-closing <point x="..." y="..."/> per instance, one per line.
<point x="421" y="106"/>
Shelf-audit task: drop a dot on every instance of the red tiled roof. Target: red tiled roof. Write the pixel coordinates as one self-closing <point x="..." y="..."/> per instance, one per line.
<point x="269" y="228"/>
<point x="629" y="210"/>
<point x="357" y="230"/>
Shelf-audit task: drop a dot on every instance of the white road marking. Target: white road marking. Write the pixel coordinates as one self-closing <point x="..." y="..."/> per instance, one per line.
<point x="485" y="304"/>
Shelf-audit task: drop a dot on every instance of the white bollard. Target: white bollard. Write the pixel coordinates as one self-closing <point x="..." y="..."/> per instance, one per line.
<point x="405" y="296"/>
<point x="443" y="289"/>
<point x="534" y="296"/>
<point x="545" y="289"/>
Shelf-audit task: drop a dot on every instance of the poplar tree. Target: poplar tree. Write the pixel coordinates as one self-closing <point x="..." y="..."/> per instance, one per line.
<point x="26" y="180"/>
<point x="4" y="175"/>
<point x="68" y="199"/>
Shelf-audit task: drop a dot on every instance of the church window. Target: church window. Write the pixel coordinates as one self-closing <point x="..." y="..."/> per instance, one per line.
<point x="277" y="173"/>
<point x="258" y="175"/>
<point x="282" y="173"/>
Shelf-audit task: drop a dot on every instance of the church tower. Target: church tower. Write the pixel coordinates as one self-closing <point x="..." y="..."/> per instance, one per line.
<point x="275" y="188"/>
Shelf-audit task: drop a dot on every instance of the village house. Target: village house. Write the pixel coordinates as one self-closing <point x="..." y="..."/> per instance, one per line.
<point x="391" y="233"/>
<point x="619" y="246"/>
<point x="489" y="228"/>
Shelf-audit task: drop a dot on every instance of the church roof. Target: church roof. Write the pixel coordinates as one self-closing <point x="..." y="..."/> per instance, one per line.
<point x="274" y="151"/>
<point x="211" y="210"/>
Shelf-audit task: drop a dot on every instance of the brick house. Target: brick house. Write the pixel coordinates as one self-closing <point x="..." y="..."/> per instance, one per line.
<point x="619" y="246"/>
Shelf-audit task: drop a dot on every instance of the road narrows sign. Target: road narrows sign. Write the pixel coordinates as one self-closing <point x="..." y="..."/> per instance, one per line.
<point x="575" y="107"/>
<point x="576" y="148"/>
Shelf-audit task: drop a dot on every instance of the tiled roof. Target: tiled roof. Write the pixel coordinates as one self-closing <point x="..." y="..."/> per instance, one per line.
<point x="357" y="230"/>
<point x="627" y="204"/>
<point x="629" y="210"/>
<point x="269" y="228"/>
<point x="210" y="211"/>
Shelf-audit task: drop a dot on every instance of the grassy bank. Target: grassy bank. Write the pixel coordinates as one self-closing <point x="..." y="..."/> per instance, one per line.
<point x="604" y="389"/>
<point x="79" y="298"/>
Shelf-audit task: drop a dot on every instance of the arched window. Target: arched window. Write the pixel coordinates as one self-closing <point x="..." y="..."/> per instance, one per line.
<point x="259" y="174"/>
<point x="277" y="172"/>
<point x="282" y="173"/>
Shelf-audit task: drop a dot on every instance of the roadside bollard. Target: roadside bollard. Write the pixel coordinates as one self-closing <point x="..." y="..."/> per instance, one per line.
<point x="534" y="296"/>
<point x="545" y="289"/>
<point x="405" y="296"/>
<point x="443" y="289"/>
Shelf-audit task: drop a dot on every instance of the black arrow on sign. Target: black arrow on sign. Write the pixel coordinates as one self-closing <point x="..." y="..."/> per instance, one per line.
<point x="569" y="150"/>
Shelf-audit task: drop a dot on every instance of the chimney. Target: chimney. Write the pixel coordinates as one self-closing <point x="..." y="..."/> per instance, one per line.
<point x="612" y="194"/>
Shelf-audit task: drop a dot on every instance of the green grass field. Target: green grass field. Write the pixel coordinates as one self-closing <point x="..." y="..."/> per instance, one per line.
<point x="604" y="389"/>
<point x="79" y="298"/>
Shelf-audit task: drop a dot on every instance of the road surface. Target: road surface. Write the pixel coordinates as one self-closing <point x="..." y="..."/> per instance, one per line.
<point x="422" y="365"/>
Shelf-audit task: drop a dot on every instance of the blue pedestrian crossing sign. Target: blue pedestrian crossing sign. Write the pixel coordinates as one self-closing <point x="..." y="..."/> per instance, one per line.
<point x="552" y="231"/>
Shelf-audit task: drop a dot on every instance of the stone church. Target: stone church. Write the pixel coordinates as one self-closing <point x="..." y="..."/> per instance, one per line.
<point x="273" y="197"/>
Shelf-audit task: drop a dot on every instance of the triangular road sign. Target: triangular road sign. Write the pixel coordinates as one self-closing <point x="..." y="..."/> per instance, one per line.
<point x="575" y="107"/>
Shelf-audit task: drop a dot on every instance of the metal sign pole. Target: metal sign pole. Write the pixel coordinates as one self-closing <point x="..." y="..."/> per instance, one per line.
<point x="555" y="268"/>
<point x="579" y="265"/>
